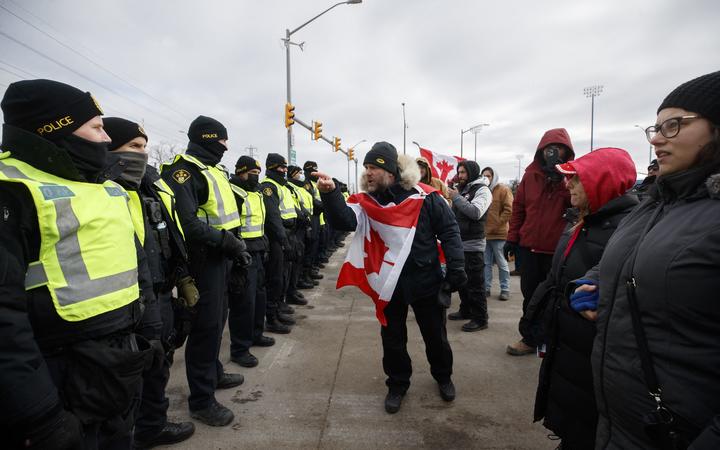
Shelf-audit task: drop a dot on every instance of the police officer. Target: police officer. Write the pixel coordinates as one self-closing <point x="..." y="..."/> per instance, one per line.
<point x="304" y="204"/>
<point x="71" y="237"/>
<point x="152" y="206"/>
<point x="280" y="219"/>
<point x="247" y="286"/>
<point x="208" y="216"/>
<point x="312" y="258"/>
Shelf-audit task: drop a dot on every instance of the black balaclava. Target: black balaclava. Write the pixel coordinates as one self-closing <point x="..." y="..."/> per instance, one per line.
<point x="206" y="133"/>
<point x="90" y="158"/>
<point x="272" y="163"/>
<point x="244" y="164"/>
<point x="309" y="167"/>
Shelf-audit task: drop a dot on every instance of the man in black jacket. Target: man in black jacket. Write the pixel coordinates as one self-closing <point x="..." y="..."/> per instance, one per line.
<point x="63" y="335"/>
<point x="208" y="215"/>
<point x="388" y="178"/>
<point x="151" y="202"/>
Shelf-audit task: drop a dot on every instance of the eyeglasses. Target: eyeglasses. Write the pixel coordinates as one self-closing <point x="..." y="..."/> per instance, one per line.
<point x="670" y="128"/>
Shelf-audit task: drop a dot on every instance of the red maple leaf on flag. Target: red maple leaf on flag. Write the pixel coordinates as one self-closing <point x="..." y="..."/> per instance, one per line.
<point x="375" y="250"/>
<point x="445" y="168"/>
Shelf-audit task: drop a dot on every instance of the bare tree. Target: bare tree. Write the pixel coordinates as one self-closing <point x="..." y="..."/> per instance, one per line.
<point x="162" y="153"/>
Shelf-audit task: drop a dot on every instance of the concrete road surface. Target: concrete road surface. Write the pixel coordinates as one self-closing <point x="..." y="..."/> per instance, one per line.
<point x="322" y="386"/>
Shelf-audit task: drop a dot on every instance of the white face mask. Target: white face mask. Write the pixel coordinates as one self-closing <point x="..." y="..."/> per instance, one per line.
<point x="300" y="177"/>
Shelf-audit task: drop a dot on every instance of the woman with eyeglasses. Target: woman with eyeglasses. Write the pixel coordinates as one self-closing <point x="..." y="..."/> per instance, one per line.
<point x="656" y="357"/>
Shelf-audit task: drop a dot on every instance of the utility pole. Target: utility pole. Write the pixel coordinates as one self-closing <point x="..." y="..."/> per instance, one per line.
<point x="404" y="128"/>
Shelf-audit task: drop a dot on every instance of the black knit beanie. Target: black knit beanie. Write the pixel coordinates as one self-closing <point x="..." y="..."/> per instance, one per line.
<point x="245" y="163"/>
<point x="122" y="131"/>
<point x="275" y="160"/>
<point x="383" y="155"/>
<point x="701" y="95"/>
<point x="48" y="108"/>
<point x="292" y="170"/>
<point x="310" y="166"/>
<point x="206" y="129"/>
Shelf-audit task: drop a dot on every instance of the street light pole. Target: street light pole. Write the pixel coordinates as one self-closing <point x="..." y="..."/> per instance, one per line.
<point x="354" y="159"/>
<point x="476" y="130"/>
<point x="519" y="158"/>
<point x="462" y="132"/>
<point x="404" y="128"/>
<point x="592" y="92"/>
<point x="288" y="33"/>
<point x="650" y="155"/>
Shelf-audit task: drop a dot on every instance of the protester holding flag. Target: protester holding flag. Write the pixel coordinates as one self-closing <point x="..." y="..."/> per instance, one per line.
<point x="427" y="178"/>
<point x="394" y="259"/>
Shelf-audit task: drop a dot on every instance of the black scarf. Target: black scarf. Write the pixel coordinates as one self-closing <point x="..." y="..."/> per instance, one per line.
<point x="89" y="158"/>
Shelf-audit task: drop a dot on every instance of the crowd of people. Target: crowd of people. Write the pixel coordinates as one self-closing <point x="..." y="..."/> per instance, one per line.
<point x="108" y="265"/>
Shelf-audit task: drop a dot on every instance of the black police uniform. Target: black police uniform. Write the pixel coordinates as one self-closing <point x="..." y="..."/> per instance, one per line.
<point x="38" y="347"/>
<point x="246" y="320"/>
<point x="300" y="232"/>
<point x="209" y="267"/>
<point x="277" y="231"/>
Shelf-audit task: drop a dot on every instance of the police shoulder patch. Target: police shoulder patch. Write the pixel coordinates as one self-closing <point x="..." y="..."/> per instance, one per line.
<point x="181" y="176"/>
<point x="268" y="191"/>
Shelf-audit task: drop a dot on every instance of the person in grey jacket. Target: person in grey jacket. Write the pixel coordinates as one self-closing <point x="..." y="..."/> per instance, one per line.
<point x="470" y="205"/>
<point x="658" y="319"/>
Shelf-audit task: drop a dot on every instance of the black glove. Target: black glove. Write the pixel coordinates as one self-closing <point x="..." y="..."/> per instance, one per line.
<point x="455" y="279"/>
<point x="289" y="249"/>
<point x="244" y="260"/>
<point x="158" y="352"/>
<point x="63" y="431"/>
<point x="510" y="248"/>
<point x="231" y="246"/>
<point x="188" y="292"/>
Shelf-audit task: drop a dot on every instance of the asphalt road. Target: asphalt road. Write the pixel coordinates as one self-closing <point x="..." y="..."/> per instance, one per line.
<point x="322" y="386"/>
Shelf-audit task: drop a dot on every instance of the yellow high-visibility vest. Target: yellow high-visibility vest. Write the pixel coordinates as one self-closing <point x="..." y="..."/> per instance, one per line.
<point x="304" y="197"/>
<point x="287" y="202"/>
<point x="87" y="259"/>
<point x="317" y="197"/>
<point x="136" y="213"/>
<point x="220" y="210"/>
<point x="167" y="196"/>
<point x="252" y="214"/>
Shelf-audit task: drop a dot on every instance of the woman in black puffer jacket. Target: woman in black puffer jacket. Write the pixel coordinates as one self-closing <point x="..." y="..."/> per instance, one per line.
<point x="665" y="259"/>
<point x="598" y="183"/>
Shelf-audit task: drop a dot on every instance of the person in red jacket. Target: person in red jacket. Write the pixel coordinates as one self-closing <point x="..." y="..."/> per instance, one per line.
<point x="537" y="222"/>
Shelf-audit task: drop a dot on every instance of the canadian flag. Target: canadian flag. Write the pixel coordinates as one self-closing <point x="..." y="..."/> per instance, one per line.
<point x="382" y="242"/>
<point x="442" y="166"/>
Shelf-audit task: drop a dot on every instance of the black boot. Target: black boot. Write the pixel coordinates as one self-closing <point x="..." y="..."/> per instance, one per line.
<point x="316" y="275"/>
<point x="393" y="400"/>
<point x="172" y="433"/>
<point x="215" y="415"/>
<point x="285" y="319"/>
<point x="286" y="309"/>
<point x="230" y="380"/>
<point x="447" y="391"/>
<point x="296" y="300"/>
<point x="263" y="341"/>
<point x="273" y="325"/>
<point x="247" y="359"/>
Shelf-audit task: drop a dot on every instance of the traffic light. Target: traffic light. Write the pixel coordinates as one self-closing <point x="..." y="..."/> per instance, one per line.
<point x="317" y="130"/>
<point x="289" y="115"/>
<point x="336" y="144"/>
<point x="351" y="154"/>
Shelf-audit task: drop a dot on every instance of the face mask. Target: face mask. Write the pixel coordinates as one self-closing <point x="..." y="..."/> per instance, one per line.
<point x="133" y="167"/>
<point x="252" y="181"/>
<point x="215" y="149"/>
<point x="552" y="157"/>
<point x="88" y="157"/>
<point x="310" y="177"/>
<point x="300" y="178"/>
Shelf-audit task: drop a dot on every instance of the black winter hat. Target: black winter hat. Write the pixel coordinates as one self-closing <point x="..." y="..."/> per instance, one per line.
<point x="48" y="108"/>
<point x="383" y="155"/>
<point x="122" y="131"/>
<point x="245" y="163"/>
<point x="206" y="129"/>
<point x="292" y="170"/>
<point x="472" y="168"/>
<point x="275" y="160"/>
<point x="701" y="95"/>
<point x="310" y="166"/>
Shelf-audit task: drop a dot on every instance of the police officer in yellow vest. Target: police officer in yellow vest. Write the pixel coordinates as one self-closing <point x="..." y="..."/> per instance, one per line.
<point x="152" y="205"/>
<point x="208" y="216"/>
<point x="71" y="363"/>
<point x="247" y="286"/>
<point x="300" y="276"/>
<point x="279" y="222"/>
<point x="312" y="263"/>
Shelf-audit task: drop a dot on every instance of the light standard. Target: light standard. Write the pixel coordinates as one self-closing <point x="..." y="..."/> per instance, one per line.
<point x="288" y="33"/>
<point x="404" y="128"/>
<point x="592" y="92"/>
<point x="462" y="132"/>
<point x="354" y="159"/>
<point x="476" y="131"/>
<point x="650" y="157"/>
<point x="519" y="158"/>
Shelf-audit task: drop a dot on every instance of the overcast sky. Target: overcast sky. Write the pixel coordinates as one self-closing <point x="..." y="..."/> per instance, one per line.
<point x="519" y="65"/>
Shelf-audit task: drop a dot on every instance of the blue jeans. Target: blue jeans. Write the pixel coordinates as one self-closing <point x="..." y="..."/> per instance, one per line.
<point x="494" y="255"/>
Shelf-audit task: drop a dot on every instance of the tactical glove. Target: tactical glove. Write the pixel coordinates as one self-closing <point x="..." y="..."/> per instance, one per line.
<point x="188" y="292"/>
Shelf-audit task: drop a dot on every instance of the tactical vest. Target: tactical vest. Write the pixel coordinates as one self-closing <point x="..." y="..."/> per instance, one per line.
<point x="252" y="214"/>
<point x="287" y="202"/>
<point x="87" y="259"/>
<point x="220" y="209"/>
<point x="470" y="229"/>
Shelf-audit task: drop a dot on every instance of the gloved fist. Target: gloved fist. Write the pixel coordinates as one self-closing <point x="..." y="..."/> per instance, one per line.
<point x="187" y="291"/>
<point x="158" y="352"/>
<point x="231" y="246"/>
<point x="62" y="432"/>
<point x="456" y="279"/>
<point x="585" y="299"/>
<point x="244" y="260"/>
<point x="510" y="248"/>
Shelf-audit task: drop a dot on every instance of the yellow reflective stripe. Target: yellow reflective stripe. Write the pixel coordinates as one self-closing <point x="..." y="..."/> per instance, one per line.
<point x="136" y="213"/>
<point x="167" y="196"/>
<point x="287" y="207"/>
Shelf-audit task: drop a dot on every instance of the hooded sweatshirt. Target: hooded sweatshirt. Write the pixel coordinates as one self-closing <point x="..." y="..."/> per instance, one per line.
<point x="471" y="204"/>
<point x="540" y="201"/>
<point x="498" y="219"/>
<point x="430" y="180"/>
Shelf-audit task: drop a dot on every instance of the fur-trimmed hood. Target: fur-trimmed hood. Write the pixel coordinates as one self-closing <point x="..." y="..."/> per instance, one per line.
<point x="409" y="173"/>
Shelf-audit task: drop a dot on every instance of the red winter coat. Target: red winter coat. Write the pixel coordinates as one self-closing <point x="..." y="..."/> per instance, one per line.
<point x="537" y="217"/>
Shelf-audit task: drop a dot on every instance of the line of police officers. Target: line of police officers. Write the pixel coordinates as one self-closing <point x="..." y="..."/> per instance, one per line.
<point x="107" y="267"/>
